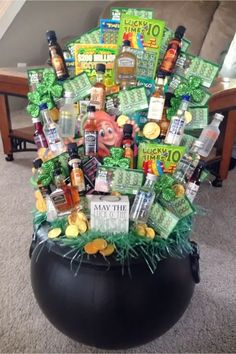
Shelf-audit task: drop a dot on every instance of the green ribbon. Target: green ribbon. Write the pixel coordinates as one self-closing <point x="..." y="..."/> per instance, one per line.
<point x="116" y="159"/>
<point x="163" y="187"/>
<point x="46" y="92"/>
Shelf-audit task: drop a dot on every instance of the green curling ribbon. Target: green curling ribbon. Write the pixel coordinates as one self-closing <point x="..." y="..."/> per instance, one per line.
<point x="46" y="92"/>
<point x="175" y="103"/>
<point x="163" y="187"/>
<point x="116" y="159"/>
<point x="191" y="87"/>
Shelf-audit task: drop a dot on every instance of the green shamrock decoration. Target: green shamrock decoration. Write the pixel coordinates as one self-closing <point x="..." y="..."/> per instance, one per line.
<point x="116" y="159"/>
<point x="46" y="92"/>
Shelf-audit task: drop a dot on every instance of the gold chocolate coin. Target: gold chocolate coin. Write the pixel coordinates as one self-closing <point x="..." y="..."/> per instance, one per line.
<point x="141" y="230"/>
<point x="72" y="231"/>
<point x="82" y="226"/>
<point x="72" y="218"/>
<point x="54" y="233"/>
<point x="81" y="216"/>
<point x="151" y="130"/>
<point x="122" y="120"/>
<point x="150" y="232"/>
<point x="188" y="117"/>
<point x="90" y="249"/>
<point x="108" y="250"/>
<point x="100" y="244"/>
<point x="179" y="190"/>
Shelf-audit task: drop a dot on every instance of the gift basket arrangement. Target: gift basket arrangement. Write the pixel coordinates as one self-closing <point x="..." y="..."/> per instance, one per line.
<point x="119" y="163"/>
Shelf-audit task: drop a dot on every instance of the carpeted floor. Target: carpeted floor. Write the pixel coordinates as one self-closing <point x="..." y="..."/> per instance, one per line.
<point x="208" y="325"/>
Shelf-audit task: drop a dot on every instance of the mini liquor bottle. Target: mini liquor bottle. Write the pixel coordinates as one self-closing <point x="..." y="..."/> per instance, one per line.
<point x="51" y="131"/>
<point x="188" y="163"/>
<point x="56" y="56"/>
<point x="68" y="116"/>
<point x="98" y="91"/>
<point x="143" y="200"/>
<point x="195" y="181"/>
<point x="125" y="67"/>
<point x="157" y="101"/>
<point x="210" y="134"/>
<point x="91" y="133"/>
<point x="61" y="197"/>
<point x="172" y="52"/>
<point x="127" y="143"/>
<point x="176" y="128"/>
<point x="39" y="137"/>
<point x="164" y="122"/>
<point x="38" y="170"/>
<point x="76" y="174"/>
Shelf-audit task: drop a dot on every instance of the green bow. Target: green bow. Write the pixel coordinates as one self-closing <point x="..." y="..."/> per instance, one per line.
<point x="192" y="88"/>
<point x="46" y="92"/>
<point x="116" y="159"/>
<point x="175" y="103"/>
<point x="46" y="174"/>
<point x="163" y="187"/>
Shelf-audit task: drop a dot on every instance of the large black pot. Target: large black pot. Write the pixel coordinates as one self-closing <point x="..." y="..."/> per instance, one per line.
<point x="106" y="306"/>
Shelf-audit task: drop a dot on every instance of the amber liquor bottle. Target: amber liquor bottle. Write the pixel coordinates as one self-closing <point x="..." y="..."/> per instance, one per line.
<point x="91" y="133"/>
<point x="98" y="91"/>
<point x="56" y="56"/>
<point x="172" y="52"/>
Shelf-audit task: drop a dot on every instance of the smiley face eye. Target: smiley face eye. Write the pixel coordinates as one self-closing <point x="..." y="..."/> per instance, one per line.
<point x="110" y="131"/>
<point x="102" y="133"/>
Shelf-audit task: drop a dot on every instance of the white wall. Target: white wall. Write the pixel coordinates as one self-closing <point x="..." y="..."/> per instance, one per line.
<point x="25" y="41"/>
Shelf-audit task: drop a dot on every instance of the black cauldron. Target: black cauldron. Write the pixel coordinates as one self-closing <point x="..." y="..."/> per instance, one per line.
<point x="107" y="305"/>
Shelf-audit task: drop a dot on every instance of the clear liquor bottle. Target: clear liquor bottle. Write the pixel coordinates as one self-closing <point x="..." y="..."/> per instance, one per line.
<point x="68" y="116"/>
<point x="187" y="164"/>
<point x="51" y="131"/>
<point x="210" y="134"/>
<point x="176" y="128"/>
<point x="143" y="200"/>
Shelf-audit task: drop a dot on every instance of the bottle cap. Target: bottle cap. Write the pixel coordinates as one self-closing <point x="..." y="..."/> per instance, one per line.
<point x="57" y="171"/>
<point x="43" y="106"/>
<point x="72" y="149"/>
<point x="179" y="33"/>
<point x="219" y="116"/>
<point x="36" y="120"/>
<point x="126" y="43"/>
<point x="128" y="129"/>
<point x="37" y="163"/>
<point x="91" y="108"/>
<point x="51" y="35"/>
<point x="151" y="177"/>
<point x="101" y="68"/>
<point x="185" y="98"/>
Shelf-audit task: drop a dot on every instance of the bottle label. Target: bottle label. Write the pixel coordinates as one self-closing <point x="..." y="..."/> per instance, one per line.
<point x="176" y="126"/>
<point x="170" y="58"/>
<point x="208" y="138"/>
<point x="52" y="135"/>
<point x="185" y="168"/>
<point x="40" y="141"/>
<point x="97" y="97"/>
<point x="191" y="191"/>
<point x="77" y="179"/>
<point x="156" y="107"/>
<point x="142" y="203"/>
<point x="126" y="62"/>
<point x="59" y="200"/>
<point x="91" y="142"/>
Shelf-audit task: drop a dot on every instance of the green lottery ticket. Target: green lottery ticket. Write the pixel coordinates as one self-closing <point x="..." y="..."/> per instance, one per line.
<point x="162" y="220"/>
<point x="148" y="84"/>
<point x="127" y="181"/>
<point x="109" y="30"/>
<point x="112" y="105"/>
<point x="133" y="100"/>
<point x="174" y="83"/>
<point x="199" y="118"/>
<point x="187" y="141"/>
<point x="180" y="207"/>
<point x="146" y="62"/>
<point x="80" y="86"/>
<point x="190" y="65"/>
<point x="117" y="12"/>
<point x="91" y="37"/>
<point x="167" y="36"/>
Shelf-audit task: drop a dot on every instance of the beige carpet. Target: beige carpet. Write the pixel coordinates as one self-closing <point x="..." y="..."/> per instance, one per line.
<point x="208" y="325"/>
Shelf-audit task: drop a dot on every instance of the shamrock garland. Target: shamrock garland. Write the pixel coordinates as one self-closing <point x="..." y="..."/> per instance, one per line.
<point x="116" y="159"/>
<point x="46" y="92"/>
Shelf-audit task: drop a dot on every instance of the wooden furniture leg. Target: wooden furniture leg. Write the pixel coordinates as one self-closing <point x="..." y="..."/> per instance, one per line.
<point x="5" y="127"/>
<point x="230" y="136"/>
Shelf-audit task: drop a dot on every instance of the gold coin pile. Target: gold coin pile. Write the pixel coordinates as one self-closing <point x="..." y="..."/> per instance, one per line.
<point x="78" y="224"/>
<point x="179" y="190"/>
<point x="99" y="245"/>
<point x="144" y="230"/>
